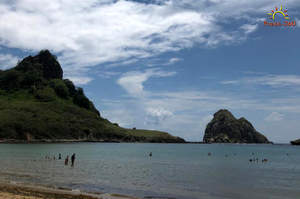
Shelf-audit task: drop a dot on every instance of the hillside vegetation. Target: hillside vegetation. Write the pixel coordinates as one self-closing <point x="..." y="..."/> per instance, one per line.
<point x="37" y="104"/>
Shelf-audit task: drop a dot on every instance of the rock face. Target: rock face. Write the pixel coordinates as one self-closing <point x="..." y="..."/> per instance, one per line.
<point x="225" y="128"/>
<point x="295" y="142"/>
<point x="45" y="63"/>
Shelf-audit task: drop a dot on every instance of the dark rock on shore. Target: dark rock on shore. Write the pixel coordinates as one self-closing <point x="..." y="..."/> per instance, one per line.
<point x="225" y="128"/>
<point x="295" y="142"/>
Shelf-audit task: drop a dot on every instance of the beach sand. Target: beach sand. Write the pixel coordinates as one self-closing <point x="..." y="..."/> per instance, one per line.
<point x="18" y="191"/>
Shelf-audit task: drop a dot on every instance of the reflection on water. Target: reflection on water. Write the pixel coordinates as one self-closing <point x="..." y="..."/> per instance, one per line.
<point x="174" y="170"/>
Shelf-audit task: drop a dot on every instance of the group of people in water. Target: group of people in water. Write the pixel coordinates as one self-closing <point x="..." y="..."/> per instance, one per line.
<point x="264" y="160"/>
<point x="256" y="160"/>
<point x="73" y="157"/>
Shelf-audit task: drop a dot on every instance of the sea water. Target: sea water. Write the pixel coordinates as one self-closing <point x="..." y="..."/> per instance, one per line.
<point x="182" y="171"/>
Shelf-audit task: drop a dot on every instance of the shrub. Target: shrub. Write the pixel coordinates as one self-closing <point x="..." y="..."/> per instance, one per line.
<point x="10" y="80"/>
<point x="31" y="78"/>
<point x="71" y="87"/>
<point x="60" y="88"/>
<point x="46" y="94"/>
<point x="81" y="100"/>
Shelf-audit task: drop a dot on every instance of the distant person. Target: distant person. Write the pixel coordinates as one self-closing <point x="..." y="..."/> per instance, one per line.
<point x="209" y="154"/>
<point x="67" y="160"/>
<point x="150" y="154"/>
<point x="59" y="156"/>
<point x="73" y="159"/>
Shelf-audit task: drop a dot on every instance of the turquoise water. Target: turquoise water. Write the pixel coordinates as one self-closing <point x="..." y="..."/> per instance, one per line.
<point x="182" y="171"/>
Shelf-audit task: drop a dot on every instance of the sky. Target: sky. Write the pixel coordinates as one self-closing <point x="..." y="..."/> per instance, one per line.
<point x="168" y="64"/>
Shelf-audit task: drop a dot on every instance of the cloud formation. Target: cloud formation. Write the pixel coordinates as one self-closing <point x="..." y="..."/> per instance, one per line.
<point x="157" y="115"/>
<point x="269" y="80"/>
<point x="133" y="81"/>
<point x="90" y="33"/>
<point x="274" y="117"/>
<point x="7" y="61"/>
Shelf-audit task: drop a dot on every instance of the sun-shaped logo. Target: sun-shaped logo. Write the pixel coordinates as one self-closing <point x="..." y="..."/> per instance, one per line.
<point x="281" y="11"/>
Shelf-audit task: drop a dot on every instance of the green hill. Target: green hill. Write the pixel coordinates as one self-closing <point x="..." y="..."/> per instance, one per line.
<point x="37" y="104"/>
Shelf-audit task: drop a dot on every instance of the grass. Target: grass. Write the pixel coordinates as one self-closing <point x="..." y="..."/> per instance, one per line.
<point x="23" y="117"/>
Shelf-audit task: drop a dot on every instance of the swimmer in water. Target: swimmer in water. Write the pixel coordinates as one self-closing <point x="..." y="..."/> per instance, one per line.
<point x="73" y="159"/>
<point x="67" y="160"/>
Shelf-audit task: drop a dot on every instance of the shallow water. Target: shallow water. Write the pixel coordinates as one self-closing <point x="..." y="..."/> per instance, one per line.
<point x="175" y="170"/>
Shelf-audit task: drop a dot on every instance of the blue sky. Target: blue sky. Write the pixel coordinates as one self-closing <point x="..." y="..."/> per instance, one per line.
<point x="168" y="65"/>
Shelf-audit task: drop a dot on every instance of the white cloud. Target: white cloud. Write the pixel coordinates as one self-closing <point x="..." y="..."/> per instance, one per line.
<point x="230" y="82"/>
<point x="116" y="115"/>
<point x="107" y="74"/>
<point x="249" y="28"/>
<point x="274" y="117"/>
<point x="157" y="115"/>
<point x="133" y="81"/>
<point x="270" y="80"/>
<point x="8" y="61"/>
<point x="79" y="80"/>
<point x="173" y="60"/>
<point x="90" y="32"/>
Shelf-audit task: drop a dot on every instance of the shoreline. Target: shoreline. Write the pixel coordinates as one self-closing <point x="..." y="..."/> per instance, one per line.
<point x="22" y="191"/>
<point x="62" y="141"/>
<point x="12" y="141"/>
<point x="48" y="141"/>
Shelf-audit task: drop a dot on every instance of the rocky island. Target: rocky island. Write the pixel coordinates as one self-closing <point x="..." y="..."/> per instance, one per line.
<point x="295" y="142"/>
<point x="225" y="128"/>
<point x="37" y="104"/>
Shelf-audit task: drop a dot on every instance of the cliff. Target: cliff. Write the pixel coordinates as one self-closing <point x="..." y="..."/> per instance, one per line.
<point x="37" y="104"/>
<point x="225" y="128"/>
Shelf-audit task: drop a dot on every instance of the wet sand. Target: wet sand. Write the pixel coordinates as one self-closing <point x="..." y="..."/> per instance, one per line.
<point x="11" y="191"/>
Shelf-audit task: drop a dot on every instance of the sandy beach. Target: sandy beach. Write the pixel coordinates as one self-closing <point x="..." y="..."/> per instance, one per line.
<point x="18" y="191"/>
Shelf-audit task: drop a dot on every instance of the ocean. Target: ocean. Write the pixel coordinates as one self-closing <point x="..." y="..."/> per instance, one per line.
<point x="181" y="171"/>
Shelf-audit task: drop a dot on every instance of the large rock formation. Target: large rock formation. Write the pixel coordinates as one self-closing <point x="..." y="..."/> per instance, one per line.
<point x="36" y="104"/>
<point x="44" y="62"/>
<point x="225" y="128"/>
<point x="295" y="142"/>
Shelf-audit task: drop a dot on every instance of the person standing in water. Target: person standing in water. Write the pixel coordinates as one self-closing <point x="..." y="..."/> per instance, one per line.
<point x="67" y="160"/>
<point x="73" y="159"/>
<point x="59" y="156"/>
<point x="150" y="154"/>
